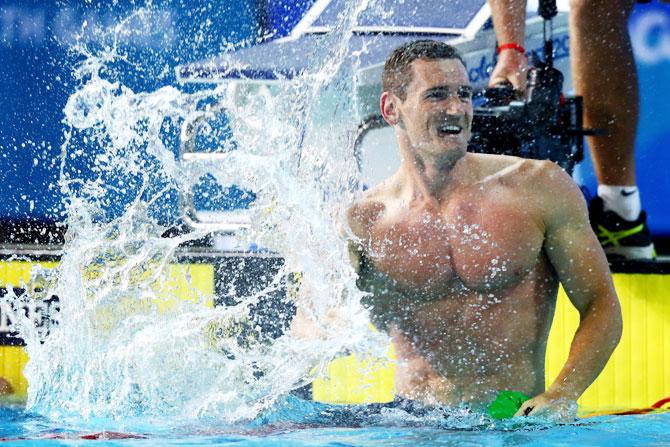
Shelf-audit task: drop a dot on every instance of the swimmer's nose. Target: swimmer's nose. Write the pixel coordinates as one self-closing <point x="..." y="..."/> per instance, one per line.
<point x="454" y="103"/>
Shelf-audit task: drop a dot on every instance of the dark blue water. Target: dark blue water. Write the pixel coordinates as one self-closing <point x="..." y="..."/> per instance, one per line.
<point x="305" y="424"/>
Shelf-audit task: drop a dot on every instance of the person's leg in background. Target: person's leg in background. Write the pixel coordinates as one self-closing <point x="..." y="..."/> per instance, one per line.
<point x="604" y="74"/>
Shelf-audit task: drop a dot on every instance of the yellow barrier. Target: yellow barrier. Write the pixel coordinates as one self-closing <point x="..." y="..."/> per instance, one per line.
<point x="349" y="380"/>
<point x="637" y="375"/>
<point x="12" y="361"/>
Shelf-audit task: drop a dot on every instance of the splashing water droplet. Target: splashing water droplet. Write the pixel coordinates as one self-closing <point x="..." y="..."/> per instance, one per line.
<point x="137" y="332"/>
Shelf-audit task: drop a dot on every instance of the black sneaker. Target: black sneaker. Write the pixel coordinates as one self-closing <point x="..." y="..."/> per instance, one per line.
<point x="621" y="238"/>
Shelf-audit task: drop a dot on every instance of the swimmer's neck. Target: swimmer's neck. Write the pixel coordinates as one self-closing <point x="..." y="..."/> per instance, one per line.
<point x="431" y="178"/>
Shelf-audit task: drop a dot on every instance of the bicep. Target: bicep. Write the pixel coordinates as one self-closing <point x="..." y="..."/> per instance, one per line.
<point x="574" y="250"/>
<point x="580" y="264"/>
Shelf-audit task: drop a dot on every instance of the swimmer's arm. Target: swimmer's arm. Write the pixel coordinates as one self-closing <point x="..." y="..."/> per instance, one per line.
<point x="509" y="21"/>
<point x="303" y="325"/>
<point x="582" y="268"/>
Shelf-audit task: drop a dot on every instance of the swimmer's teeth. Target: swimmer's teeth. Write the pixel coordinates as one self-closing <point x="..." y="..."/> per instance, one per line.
<point x="450" y="129"/>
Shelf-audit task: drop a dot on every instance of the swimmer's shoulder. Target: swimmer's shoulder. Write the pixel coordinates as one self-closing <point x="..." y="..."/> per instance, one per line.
<point x="556" y="193"/>
<point x="538" y="182"/>
<point x="369" y="209"/>
<point x="362" y="216"/>
<point x="541" y="178"/>
<point x="520" y="172"/>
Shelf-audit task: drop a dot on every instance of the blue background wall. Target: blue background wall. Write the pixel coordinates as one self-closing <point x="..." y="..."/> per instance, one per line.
<point x="35" y="81"/>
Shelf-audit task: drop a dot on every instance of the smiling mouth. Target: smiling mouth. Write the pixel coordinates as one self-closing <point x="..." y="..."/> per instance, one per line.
<point x="450" y="129"/>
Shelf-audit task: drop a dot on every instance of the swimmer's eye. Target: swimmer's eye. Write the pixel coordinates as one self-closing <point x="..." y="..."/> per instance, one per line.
<point x="438" y="95"/>
<point x="465" y="93"/>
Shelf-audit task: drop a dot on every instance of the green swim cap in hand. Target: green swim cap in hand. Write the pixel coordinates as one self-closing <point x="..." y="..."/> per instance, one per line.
<point x="506" y="404"/>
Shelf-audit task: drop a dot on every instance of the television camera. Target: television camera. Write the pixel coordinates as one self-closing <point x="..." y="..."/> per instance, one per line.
<point x="540" y="123"/>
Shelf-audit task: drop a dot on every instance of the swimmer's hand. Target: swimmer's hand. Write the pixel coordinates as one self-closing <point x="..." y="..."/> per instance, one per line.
<point x="305" y="327"/>
<point x="512" y="67"/>
<point x="550" y="406"/>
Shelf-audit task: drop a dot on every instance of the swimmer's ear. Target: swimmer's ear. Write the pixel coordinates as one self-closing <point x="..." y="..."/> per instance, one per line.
<point x="389" y="109"/>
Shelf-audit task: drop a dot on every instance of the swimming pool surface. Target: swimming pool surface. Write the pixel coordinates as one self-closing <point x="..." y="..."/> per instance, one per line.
<point x="311" y="425"/>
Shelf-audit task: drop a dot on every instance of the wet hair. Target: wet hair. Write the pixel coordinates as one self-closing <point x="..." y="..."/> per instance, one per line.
<point x="397" y="68"/>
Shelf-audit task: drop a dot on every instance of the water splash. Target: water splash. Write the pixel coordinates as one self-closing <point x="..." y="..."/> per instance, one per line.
<point x="127" y="343"/>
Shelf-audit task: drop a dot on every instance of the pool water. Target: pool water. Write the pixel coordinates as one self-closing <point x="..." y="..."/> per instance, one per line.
<point x="308" y="424"/>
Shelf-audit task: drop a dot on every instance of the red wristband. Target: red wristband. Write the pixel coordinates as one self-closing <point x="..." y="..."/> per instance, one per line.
<point x="511" y="46"/>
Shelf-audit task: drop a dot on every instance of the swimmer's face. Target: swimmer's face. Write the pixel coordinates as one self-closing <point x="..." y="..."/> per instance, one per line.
<point x="436" y="114"/>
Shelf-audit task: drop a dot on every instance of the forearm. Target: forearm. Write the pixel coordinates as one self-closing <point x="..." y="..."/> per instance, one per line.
<point x="598" y="334"/>
<point x="509" y="20"/>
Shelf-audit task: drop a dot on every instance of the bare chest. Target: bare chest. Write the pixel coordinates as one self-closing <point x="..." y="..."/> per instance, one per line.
<point x="480" y="244"/>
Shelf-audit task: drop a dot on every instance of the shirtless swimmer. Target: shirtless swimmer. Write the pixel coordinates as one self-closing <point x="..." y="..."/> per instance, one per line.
<point x="463" y="253"/>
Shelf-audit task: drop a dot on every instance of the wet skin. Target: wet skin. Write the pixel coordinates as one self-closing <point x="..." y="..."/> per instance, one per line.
<point x="463" y="288"/>
<point x="462" y="255"/>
